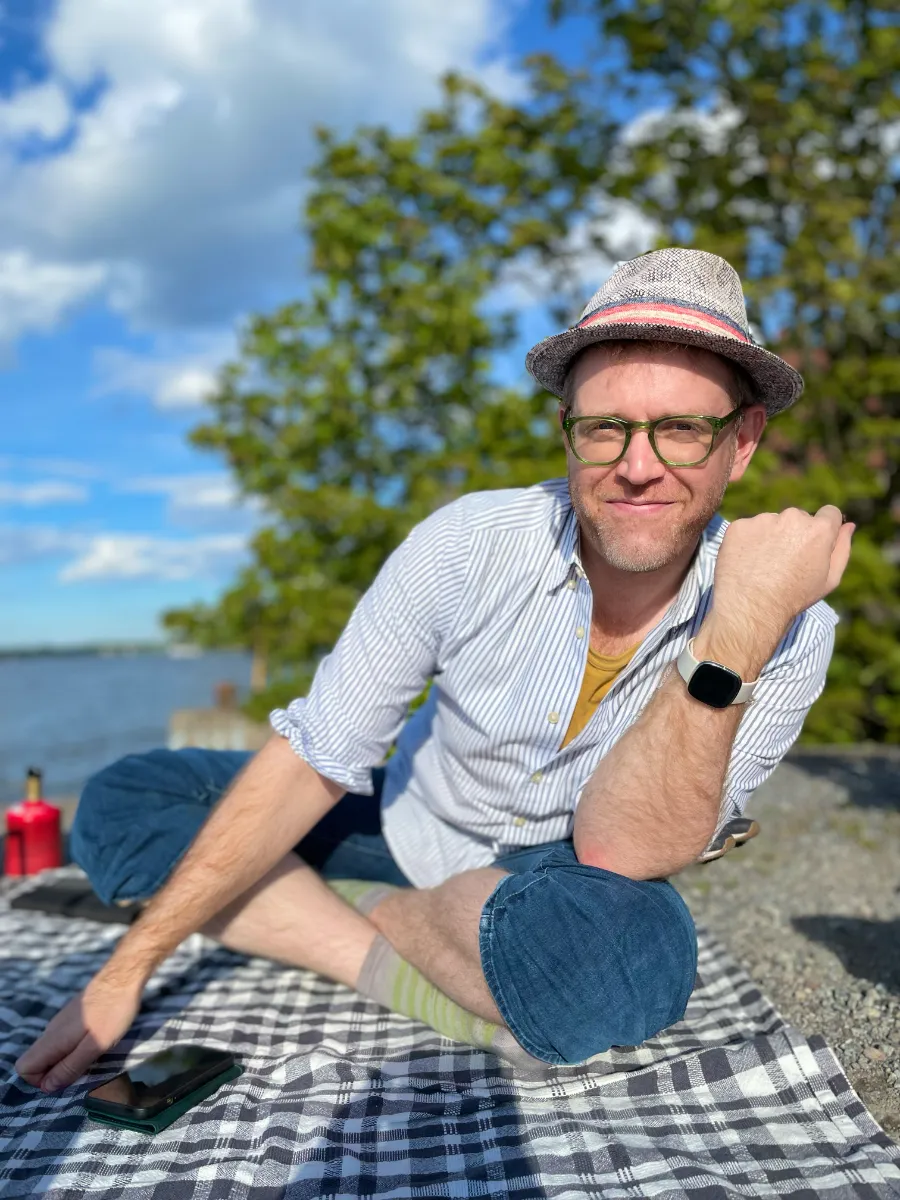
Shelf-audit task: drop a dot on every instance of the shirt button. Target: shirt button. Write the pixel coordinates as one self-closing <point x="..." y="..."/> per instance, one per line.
<point x="537" y="777"/>
<point x="573" y="584"/>
<point x="579" y="632"/>
<point x="553" y="718"/>
<point x="519" y="821"/>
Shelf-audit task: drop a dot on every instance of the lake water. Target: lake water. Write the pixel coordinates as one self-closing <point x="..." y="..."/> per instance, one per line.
<point x="71" y="715"/>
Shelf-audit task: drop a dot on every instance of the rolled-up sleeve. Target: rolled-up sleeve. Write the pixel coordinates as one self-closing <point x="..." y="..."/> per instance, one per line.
<point x="790" y="684"/>
<point x="387" y="653"/>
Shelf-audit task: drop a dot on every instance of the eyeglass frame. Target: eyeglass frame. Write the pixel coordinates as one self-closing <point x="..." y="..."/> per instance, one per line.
<point x="718" y="424"/>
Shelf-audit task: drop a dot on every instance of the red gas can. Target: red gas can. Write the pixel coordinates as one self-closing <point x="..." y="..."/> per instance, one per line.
<point x="33" y="840"/>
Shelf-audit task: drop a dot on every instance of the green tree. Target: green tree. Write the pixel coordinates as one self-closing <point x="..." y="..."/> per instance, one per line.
<point x="358" y="411"/>
<point x="775" y="144"/>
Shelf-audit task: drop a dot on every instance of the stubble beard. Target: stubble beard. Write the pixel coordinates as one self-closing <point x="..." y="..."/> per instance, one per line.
<point x="618" y="540"/>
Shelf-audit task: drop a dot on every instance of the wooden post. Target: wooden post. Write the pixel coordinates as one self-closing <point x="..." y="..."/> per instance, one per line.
<point x="258" y="668"/>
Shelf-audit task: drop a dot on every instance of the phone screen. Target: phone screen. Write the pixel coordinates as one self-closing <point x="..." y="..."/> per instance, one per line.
<point x="164" y="1076"/>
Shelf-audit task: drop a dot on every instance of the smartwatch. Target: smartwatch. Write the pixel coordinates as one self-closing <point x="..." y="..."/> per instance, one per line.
<point x="712" y="683"/>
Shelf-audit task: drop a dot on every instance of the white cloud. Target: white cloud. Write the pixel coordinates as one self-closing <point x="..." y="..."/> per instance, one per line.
<point x="616" y="230"/>
<point x="206" y="499"/>
<point x="74" y="468"/>
<point x="91" y="556"/>
<point x="181" y="374"/>
<point x="186" y="388"/>
<point x="178" y="192"/>
<point x="41" y="111"/>
<point x="214" y="490"/>
<point x="24" y="543"/>
<point x="36" y="294"/>
<point x="50" y="491"/>
<point x="713" y="127"/>
<point x="140" y="556"/>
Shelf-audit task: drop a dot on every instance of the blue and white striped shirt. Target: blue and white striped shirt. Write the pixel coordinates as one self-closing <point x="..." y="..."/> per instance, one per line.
<point x="488" y="597"/>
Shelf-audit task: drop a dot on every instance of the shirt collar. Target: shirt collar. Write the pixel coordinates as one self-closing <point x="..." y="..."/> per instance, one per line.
<point x="567" y="562"/>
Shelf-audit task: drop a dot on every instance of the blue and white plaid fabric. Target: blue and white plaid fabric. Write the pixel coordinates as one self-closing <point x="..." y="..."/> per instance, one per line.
<point x="341" y="1098"/>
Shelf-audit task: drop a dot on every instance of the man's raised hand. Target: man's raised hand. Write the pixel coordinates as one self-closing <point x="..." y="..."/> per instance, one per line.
<point x="773" y="566"/>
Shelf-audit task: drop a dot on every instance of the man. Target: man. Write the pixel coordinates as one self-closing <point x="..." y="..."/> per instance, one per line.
<point x="589" y="728"/>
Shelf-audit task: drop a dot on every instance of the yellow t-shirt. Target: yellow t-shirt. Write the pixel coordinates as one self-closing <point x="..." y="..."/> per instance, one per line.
<point x="599" y="676"/>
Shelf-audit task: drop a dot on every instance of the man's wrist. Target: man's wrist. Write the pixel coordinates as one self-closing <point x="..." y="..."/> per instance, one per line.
<point x="137" y="956"/>
<point x="743" y="649"/>
<point x="127" y="970"/>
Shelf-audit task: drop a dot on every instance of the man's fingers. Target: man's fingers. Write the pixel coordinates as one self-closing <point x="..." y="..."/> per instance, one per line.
<point x="46" y="1052"/>
<point x="55" y="1062"/>
<point x="827" y="508"/>
<point x="64" y="1047"/>
<point x="88" y="1026"/>
<point x="72" y="1067"/>
<point x="32" y="1077"/>
<point x="840" y="555"/>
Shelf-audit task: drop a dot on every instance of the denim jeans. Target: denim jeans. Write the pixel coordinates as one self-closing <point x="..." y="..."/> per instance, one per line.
<point x="577" y="958"/>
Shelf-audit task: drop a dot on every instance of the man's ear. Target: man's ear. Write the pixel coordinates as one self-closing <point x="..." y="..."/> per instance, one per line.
<point x="754" y="421"/>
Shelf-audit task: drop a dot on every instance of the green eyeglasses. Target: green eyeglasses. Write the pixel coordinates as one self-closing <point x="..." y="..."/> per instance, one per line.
<point x="677" y="441"/>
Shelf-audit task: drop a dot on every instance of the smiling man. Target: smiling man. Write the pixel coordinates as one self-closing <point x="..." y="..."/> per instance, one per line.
<point x="615" y="670"/>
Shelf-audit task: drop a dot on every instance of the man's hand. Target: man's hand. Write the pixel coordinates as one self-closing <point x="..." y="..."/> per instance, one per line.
<point x="773" y="566"/>
<point x="89" y="1025"/>
<point x="271" y="805"/>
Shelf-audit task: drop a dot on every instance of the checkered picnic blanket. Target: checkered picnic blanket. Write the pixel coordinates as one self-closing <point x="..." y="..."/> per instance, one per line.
<point x="341" y="1098"/>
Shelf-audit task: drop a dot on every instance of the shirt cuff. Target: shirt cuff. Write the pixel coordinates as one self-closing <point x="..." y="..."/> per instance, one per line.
<point x="355" y="779"/>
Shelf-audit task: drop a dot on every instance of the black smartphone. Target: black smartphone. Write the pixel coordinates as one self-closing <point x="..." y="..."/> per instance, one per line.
<point x="160" y="1081"/>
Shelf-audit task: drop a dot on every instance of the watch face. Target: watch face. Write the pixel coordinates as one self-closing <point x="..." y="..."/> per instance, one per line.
<point x="714" y="685"/>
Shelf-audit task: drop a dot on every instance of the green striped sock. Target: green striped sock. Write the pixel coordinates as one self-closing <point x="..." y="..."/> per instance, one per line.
<point x="361" y="894"/>
<point x="399" y="986"/>
<point x="392" y="981"/>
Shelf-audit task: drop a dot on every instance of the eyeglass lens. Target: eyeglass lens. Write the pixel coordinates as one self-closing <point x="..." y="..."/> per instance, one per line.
<point x="681" y="439"/>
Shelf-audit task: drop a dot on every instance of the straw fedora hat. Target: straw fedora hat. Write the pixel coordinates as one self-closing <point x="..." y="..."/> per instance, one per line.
<point x="672" y="295"/>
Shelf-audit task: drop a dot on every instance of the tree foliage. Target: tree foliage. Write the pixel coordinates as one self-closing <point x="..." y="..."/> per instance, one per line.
<point x="769" y="133"/>
<point x="358" y="411"/>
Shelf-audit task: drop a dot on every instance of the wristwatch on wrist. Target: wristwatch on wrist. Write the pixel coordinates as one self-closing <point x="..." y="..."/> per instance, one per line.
<point x="711" y="682"/>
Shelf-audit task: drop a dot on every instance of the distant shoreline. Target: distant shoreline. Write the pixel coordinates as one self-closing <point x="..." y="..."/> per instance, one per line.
<point x="111" y="648"/>
<point x="71" y="651"/>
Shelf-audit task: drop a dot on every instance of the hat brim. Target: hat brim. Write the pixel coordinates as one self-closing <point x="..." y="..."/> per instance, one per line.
<point x="778" y="384"/>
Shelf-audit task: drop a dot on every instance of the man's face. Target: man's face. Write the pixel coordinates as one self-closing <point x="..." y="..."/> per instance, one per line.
<point x="644" y="386"/>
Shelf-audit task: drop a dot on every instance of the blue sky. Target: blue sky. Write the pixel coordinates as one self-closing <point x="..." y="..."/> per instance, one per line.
<point x="152" y="159"/>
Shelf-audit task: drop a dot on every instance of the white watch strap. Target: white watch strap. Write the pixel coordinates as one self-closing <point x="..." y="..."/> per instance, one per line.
<point x="688" y="664"/>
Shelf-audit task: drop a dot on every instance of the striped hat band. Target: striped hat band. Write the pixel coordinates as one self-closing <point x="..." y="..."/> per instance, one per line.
<point x="665" y="312"/>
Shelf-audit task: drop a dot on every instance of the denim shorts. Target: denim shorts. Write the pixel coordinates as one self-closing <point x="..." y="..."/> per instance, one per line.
<point x="577" y="958"/>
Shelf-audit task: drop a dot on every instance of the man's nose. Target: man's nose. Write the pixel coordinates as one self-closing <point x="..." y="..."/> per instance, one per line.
<point x="639" y="462"/>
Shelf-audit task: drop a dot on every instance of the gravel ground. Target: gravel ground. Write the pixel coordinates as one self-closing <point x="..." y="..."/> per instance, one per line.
<point x="811" y="908"/>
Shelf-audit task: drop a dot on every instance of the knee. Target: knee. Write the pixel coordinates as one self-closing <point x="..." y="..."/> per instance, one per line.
<point x="580" y="959"/>
<point x="134" y="819"/>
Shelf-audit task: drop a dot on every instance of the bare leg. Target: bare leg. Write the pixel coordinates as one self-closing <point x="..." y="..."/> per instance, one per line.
<point x="293" y="916"/>
<point x="436" y="929"/>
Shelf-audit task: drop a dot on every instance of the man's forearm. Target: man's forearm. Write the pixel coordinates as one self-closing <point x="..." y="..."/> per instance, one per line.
<point x="652" y="804"/>
<point x="271" y="806"/>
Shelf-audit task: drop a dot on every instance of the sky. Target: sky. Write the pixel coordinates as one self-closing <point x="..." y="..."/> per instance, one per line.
<point x="153" y="157"/>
